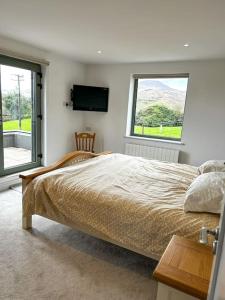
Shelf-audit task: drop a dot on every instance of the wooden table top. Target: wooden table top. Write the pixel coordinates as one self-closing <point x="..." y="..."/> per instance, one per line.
<point x="186" y="265"/>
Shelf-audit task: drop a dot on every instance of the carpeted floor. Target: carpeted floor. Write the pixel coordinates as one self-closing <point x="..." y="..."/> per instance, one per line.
<point x="56" y="262"/>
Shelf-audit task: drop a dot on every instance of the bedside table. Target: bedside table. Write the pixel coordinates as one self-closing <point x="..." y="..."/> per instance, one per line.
<point x="184" y="270"/>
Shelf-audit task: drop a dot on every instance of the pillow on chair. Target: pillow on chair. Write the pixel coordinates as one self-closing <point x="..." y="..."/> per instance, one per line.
<point x="206" y="193"/>
<point x="212" y="166"/>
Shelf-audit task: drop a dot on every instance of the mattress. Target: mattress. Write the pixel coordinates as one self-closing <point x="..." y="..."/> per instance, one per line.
<point x="131" y="201"/>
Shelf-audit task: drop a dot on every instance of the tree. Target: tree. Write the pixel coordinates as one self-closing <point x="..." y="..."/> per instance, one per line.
<point x="10" y="106"/>
<point x="156" y="115"/>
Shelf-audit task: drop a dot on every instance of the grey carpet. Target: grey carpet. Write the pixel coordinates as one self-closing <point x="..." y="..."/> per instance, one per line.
<point x="56" y="262"/>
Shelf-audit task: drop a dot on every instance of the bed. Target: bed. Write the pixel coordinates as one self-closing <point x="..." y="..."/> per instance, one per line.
<point x="129" y="201"/>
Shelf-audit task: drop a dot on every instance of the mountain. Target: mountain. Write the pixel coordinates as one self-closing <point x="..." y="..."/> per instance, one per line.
<point x="152" y="92"/>
<point x="153" y="84"/>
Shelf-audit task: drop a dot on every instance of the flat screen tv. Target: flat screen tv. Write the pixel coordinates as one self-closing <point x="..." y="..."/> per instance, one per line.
<point x="90" y="98"/>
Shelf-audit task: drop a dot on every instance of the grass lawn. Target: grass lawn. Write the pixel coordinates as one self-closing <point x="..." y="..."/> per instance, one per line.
<point x="169" y="132"/>
<point x="14" y="125"/>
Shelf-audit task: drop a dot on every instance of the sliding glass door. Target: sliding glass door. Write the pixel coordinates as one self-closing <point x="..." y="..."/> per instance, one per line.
<point x="20" y="115"/>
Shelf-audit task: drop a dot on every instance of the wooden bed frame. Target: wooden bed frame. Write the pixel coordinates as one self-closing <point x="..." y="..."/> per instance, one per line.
<point x="67" y="160"/>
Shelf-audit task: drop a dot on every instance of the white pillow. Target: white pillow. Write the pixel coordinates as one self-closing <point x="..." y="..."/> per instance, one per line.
<point x="212" y="166"/>
<point x="206" y="193"/>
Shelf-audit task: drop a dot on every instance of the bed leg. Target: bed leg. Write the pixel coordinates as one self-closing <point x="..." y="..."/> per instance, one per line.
<point x="27" y="222"/>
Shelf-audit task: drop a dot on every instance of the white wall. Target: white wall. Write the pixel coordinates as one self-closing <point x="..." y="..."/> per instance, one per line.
<point x="59" y="122"/>
<point x="204" y="122"/>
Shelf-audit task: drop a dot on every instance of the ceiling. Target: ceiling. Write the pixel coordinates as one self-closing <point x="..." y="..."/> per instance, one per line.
<point x="124" y="30"/>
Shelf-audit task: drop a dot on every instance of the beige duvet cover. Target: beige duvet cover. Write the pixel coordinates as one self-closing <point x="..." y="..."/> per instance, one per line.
<point x="133" y="202"/>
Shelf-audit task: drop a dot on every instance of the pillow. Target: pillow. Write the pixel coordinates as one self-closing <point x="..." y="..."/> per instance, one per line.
<point x="212" y="166"/>
<point x="206" y="193"/>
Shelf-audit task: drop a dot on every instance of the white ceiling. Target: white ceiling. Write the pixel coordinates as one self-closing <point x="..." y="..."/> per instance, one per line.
<point x="125" y="30"/>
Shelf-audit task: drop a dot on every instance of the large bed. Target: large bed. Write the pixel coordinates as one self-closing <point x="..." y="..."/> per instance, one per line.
<point x="129" y="201"/>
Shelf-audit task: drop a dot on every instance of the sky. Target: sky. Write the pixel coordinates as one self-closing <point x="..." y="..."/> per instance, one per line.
<point x="9" y="80"/>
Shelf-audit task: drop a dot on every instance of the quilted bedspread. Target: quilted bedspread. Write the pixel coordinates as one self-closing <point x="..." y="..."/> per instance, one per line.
<point x="131" y="201"/>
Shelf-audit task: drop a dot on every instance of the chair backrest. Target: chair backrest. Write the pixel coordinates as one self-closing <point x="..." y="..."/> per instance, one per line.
<point x="85" y="141"/>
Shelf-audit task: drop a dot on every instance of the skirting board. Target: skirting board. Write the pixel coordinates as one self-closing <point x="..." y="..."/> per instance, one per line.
<point x="7" y="181"/>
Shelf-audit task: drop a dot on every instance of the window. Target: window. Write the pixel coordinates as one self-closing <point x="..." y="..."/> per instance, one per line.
<point x="158" y="106"/>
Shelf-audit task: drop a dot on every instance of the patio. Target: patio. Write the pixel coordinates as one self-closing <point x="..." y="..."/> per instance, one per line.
<point x="17" y="148"/>
<point x="16" y="156"/>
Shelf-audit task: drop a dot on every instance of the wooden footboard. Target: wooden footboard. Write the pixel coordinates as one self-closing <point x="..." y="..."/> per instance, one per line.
<point x="67" y="160"/>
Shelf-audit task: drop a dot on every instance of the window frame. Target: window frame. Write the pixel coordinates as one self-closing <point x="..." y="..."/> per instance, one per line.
<point x="136" y="77"/>
<point x="36" y="111"/>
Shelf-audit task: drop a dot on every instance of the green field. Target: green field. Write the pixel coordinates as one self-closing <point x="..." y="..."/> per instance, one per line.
<point x="14" y="125"/>
<point x="168" y="132"/>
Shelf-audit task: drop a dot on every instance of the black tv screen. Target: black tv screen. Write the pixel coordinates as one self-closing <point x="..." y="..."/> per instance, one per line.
<point x="90" y="98"/>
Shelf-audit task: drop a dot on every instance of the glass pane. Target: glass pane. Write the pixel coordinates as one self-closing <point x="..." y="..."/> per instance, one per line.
<point x="160" y="107"/>
<point x="17" y="91"/>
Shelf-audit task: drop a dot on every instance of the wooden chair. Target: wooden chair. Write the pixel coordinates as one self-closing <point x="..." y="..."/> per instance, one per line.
<point x="85" y="141"/>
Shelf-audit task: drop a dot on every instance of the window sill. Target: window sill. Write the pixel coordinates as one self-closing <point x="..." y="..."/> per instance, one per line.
<point x="154" y="140"/>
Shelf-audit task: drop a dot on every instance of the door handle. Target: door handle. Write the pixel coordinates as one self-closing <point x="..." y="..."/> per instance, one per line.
<point x="215" y="246"/>
<point x="204" y="234"/>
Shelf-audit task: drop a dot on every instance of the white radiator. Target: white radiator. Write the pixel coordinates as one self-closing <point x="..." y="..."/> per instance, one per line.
<point x="164" y="154"/>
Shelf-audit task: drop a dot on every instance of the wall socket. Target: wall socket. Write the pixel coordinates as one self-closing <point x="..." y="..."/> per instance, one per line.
<point x="87" y="128"/>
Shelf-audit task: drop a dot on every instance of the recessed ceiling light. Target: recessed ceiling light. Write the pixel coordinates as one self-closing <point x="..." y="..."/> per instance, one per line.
<point x="99" y="51"/>
<point x="186" y="45"/>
